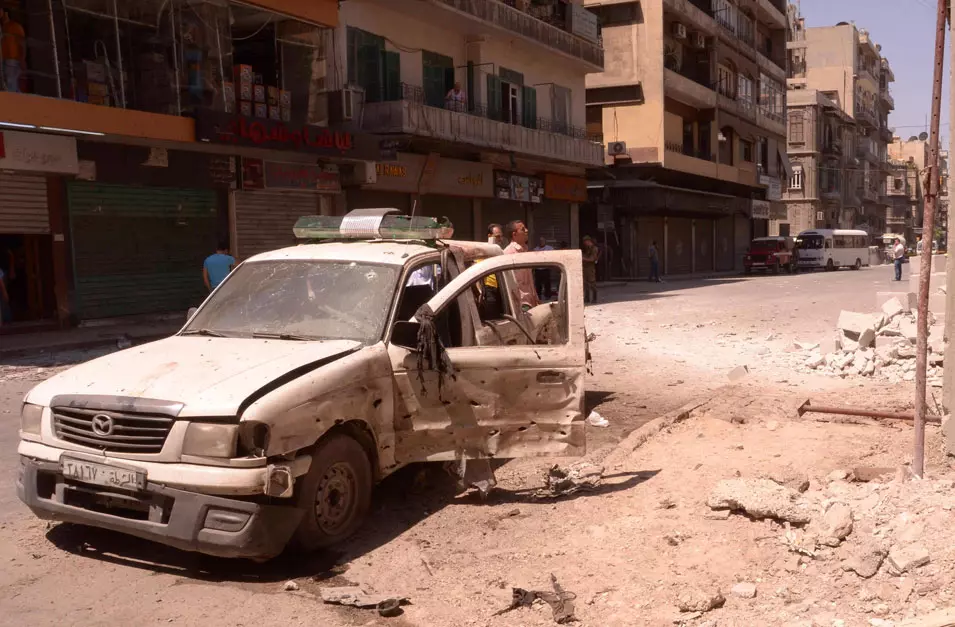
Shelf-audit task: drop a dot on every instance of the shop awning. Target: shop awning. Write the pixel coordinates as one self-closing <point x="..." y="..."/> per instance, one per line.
<point x="784" y="160"/>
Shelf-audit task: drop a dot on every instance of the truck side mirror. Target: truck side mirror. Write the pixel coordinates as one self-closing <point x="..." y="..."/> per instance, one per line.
<point x="405" y="335"/>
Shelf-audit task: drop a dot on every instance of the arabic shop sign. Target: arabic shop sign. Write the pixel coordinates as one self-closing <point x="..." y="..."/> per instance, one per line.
<point x="508" y="186"/>
<point x="259" y="174"/>
<point x="432" y="174"/>
<point x="229" y="128"/>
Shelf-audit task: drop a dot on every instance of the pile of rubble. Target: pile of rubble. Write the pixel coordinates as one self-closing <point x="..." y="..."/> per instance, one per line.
<point x="880" y="344"/>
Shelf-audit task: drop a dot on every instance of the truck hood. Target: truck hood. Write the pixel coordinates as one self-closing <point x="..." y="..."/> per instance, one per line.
<point x="210" y="376"/>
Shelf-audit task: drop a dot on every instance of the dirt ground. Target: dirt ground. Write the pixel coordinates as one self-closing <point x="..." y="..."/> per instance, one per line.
<point x="630" y="551"/>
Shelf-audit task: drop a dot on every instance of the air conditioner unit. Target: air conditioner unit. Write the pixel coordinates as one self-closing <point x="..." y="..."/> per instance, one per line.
<point x="615" y="149"/>
<point x="349" y="103"/>
<point x="679" y="30"/>
<point x="699" y="41"/>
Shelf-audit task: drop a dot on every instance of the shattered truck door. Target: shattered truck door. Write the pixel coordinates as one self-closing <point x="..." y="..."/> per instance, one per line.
<point x="459" y="400"/>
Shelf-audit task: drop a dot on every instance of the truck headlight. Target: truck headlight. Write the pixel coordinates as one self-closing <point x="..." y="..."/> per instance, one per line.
<point x="30" y="418"/>
<point x="210" y="440"/>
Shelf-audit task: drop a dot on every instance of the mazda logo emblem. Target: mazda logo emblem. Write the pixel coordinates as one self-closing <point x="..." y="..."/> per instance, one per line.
<point x="102" y="424"/>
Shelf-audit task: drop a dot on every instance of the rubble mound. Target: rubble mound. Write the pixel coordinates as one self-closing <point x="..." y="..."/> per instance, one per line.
<point x="760" y="499"/>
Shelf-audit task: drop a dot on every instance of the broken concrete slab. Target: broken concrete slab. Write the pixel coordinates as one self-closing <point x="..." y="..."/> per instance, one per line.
<point x="738" y="374"/>
<point x="866" y="338"/>
<point x="856" y="323"/>
<point x="696" y="600"/>
<point x="761" y="498"/>
<point x="892" y="308"/>
<point x="866" y="562"/>
<point x="814" y="361"/>
<point x="744" y="590"/>
<point x="355" y="596"/>
<point x="908" y="558"/>
<point x="906" y="299"/>
<point x="836" y="524"/>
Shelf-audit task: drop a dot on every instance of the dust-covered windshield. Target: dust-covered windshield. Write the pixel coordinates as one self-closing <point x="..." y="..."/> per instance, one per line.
<point x="300" y="300"/>
<point x="810" y="242"/>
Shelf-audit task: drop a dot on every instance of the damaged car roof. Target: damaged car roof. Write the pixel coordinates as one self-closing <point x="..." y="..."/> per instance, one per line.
<point x="392" y="252"/>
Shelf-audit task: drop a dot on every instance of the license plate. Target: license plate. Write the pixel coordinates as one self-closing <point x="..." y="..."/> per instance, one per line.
<point x="102" y="474"/>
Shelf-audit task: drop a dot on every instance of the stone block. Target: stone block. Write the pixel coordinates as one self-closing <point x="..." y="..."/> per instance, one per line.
<point x="904" y="559"/>
<point x="866" y="338"/>
<point x="856" y="323"/>
<point x="906" y="299"/>
<point x="892" y="307"/>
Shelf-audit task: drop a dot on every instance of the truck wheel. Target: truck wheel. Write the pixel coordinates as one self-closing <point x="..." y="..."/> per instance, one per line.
<point x="335" y="494"/>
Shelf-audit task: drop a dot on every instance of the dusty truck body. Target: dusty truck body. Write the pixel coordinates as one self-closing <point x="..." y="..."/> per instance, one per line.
<point x="311" y="373"/>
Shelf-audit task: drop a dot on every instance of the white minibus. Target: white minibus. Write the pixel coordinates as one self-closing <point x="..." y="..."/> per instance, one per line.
<point x="833" y="248"/>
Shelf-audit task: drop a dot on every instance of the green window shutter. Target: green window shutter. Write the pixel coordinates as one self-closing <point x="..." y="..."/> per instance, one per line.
<point x="369" y="71"/>
<point x="433" y="82"/>
<point x="493" y="97"/>
<point x="391" y="69"/>
<point x="529" y="108"/>
<point x="351" y="54"/>
<point x="470" y="86"/>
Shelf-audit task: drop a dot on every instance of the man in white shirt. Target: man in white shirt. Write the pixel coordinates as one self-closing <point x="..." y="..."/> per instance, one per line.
<point x="524" y="277"/>
<point x="898" y="253"/>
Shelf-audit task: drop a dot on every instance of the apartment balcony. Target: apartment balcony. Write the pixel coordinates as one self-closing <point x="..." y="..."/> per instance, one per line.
<point x="830" y="194"/>
<point x="696" y="15"/>
<point x="887" y="98"/>
<point x="772" y="121"/>
<point x="497" y="18"/>
<point x="681" y="87"/>
<point x="866" y="149"/>
<point x="887" y="134"/>
<point x="482" y="127"/>
<point x="775" y="11"/>
<point x="867" y="117"/>
<point x="833" y="148"/>
<point x="686" y="159"/>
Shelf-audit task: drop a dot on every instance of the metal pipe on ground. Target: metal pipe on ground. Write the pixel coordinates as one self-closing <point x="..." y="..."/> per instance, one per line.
<point x="808" y="407"/>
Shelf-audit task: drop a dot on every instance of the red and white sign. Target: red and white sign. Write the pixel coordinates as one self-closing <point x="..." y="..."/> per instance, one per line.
<point x="36" y="152"/>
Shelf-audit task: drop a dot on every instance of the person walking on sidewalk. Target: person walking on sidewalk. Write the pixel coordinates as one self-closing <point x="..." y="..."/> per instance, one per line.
<point x="898" y="253"/>
<point x="217" y="266"/>
<point x="590" y="254"/>
<point x="654" y="263"/>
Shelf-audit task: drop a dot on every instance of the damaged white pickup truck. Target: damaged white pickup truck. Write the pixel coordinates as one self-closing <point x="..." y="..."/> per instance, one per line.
<point x="311" y="373"/>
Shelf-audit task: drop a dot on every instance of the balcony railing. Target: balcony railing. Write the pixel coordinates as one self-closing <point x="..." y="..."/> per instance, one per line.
<point x="686" y="150"/>
<point x="478" y="124"/>
<point x="511" y="19"/>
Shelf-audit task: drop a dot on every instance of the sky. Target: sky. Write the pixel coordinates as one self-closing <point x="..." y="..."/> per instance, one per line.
<point x="906" y="31"/>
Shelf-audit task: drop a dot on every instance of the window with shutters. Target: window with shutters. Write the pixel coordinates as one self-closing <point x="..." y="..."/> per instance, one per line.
<point x="437" y="77"/>
<point x="561" y="109"/>
<point x="366" y="63"/>
<point x="797" y="128"/>
<point x="529" y="107"/>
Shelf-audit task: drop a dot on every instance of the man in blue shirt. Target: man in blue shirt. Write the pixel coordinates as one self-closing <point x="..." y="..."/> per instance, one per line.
<point x="217" y="267"/>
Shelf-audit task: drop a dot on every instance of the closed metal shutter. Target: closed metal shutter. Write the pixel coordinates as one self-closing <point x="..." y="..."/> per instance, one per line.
<point x="704" y="246"/>
<point x="725" y="247"/>
<point x="679" y="254"/>
<point x="376" y="199"/>
<point x="455" y="208"/>
<point x="23" y="207"/>
<point x="264" y="220"/>
<point x="139" y="250"/>
<point x="649" y="229"/>
<point x="552" y="221"/>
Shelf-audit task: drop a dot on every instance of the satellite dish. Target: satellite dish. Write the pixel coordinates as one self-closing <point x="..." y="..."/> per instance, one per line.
<point x="913" y="138"/>
<point x="923" y="136"/>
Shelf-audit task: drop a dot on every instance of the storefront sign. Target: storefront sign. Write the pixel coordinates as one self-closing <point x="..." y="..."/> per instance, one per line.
<point x="230" y="128"/>
<point x="583" y="23"/>
<point x="259" y="174"/>
<point x="35" y="152"/>
<point x="432" y="174"/>
<point x="569" y="188"/>
<point x="508" y="186"/>
<point x="778" y="211"/>
<point x="774" y="187"/>
<point x="761" y="210"/>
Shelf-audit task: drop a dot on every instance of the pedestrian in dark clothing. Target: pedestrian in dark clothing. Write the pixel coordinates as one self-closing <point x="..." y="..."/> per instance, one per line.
<point x="654" y="263"/>
<point x="590" y="254"/>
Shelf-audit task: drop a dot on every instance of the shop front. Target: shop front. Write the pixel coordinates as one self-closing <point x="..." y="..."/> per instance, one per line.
<point x="552" y="218"/>
<point x="141" y="222"/>
<point x="515" y="196"/>
<point x="430" y="185"/>
<point x="272" y="197"/>
<point x="30" y="163"/>
<point x="760" y="218"/>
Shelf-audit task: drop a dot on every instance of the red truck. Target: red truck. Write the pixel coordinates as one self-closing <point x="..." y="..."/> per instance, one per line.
<point x="771" y="254"/>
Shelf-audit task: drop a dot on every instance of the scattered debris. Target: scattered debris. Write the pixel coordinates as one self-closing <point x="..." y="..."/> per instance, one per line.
<point x="738" y="374"/>
<point x="560" y="601"/>
<point x="836" y="524"/>
<point x="904" y="559"/>
<point x="866" y="563"/>
<point x="718" y="514"/>
<point x="744" y="590"/>
<point x="290" y="586"/>
<point x="355" y="596"/>
<point x="696" y="600"/>
<point x="579" y="476"/>
<point x="760" y="498"/>
<point x="596" y="420"/>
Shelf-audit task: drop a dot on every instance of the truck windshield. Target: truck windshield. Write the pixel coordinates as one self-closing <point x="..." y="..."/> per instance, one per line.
<point x="810" y="242"/>
<point x="300" y="300"/>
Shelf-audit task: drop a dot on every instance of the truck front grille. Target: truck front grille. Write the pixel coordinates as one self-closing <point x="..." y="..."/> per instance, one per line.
<point x="112" y="431"/>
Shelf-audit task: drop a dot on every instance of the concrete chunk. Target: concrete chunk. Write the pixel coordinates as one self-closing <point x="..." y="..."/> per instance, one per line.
<point x="738" y="374"/>
<point x="892" y="307"/>
<point x="906" y="299"/>
<point x="761" y="498"/>
<point x="744" y="590"/>
<point x="815" y="361"/>
<point x="866" y="338"/>
<point x="856" y="323"/>
<point x="902" y="560"/>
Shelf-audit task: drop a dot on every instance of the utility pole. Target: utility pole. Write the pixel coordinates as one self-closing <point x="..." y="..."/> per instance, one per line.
<point x="948" y="396"/>
<point x="928" y="227"/>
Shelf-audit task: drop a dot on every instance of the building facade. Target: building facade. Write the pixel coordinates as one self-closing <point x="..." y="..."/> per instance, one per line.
<point x="842" y="66"/>
<point x="139" y="135"/>
<point x="904" y="192"/>
<point x="485" y="102"/>
<point x="909" y="159"/>
<point x="692" y="107"/>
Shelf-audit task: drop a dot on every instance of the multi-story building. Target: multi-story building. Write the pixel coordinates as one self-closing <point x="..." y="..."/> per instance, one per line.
<point x="691" y="104"/>
<point x="821" y="137"/>
<point x="138" y="134"/>
<point x="486" y="101"/>
<point x="913" y="155"/>
<point x="903" y="190"/>
<point x="842" y="64"/>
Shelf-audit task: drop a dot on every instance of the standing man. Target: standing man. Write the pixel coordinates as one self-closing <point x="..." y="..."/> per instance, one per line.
<point x="13" y="48"/>
<point x="654" y="263"/>
<point x="495" y="234"/>
<point x="217" y="266"/>
<point x="456" y="100"/>
<point x="524" y="277"/>
<point x="590" y="254"/>
<point x="898" y="253"/>
<point x="542" y="275"/>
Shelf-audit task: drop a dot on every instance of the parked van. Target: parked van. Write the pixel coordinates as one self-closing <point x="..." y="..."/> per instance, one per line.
<point x="833" y="248"/>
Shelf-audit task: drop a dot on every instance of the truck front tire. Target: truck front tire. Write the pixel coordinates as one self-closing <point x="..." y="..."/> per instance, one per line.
<point x="335" y="494"/>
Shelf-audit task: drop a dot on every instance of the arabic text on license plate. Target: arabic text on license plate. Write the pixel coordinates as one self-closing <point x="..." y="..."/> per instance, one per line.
<point x="102" y="474"/>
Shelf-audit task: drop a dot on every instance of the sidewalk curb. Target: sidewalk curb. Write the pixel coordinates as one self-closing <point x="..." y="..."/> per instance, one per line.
<point x="80" y="345"/>
<point x="673" y="279"/>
